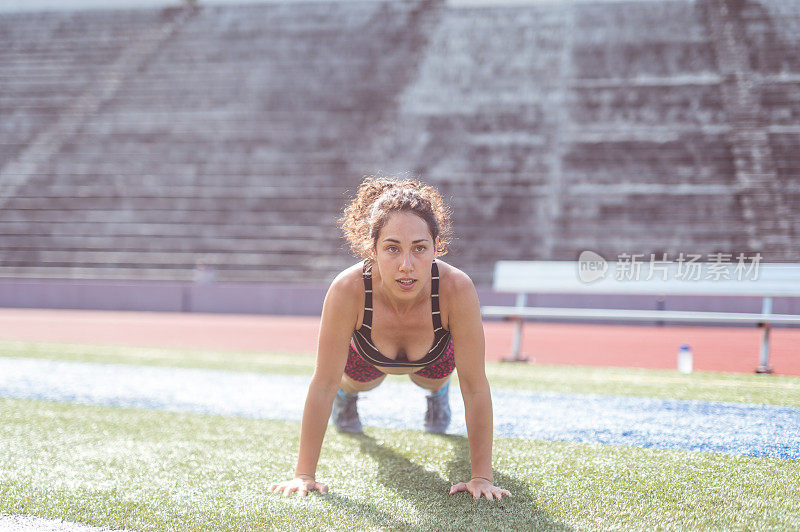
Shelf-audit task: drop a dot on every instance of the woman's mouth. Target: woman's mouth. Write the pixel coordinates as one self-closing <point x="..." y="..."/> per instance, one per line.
<point x="406" y="284"/>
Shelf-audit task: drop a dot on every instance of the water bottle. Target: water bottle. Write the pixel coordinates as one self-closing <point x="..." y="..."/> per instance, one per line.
<point x="685" y="359"/>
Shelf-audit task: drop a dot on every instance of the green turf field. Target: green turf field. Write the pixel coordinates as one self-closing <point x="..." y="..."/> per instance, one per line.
<point x="152" y="470"/>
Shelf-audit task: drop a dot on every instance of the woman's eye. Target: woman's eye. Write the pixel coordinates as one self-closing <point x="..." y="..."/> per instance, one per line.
<point x="420" y="248"/>
<point x="391" y="249"/>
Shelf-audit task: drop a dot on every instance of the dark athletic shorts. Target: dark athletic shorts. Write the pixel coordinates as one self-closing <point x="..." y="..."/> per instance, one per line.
<point x="360" y="370"/>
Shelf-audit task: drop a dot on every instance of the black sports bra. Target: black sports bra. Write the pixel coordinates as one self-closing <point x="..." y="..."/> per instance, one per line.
<point x="362" y="338"/>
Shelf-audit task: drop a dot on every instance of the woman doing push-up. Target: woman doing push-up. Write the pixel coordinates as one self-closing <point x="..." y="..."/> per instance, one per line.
<point x="400" y="310"/>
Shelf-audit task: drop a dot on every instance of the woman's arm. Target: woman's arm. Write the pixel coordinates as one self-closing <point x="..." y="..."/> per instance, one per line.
<point x="466" y="328"/>
<point x="339" y="315"/>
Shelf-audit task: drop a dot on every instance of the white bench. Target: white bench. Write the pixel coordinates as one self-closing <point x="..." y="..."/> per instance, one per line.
<point x="765" y="280"/>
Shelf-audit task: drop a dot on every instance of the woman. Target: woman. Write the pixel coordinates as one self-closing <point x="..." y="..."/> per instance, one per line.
<point x="399" y="311"/>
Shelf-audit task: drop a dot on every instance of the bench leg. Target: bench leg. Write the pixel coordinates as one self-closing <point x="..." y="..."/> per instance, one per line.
<point x="516" y="345"/>
<point x="763" y="365"/>
<point x="516" y="349"/>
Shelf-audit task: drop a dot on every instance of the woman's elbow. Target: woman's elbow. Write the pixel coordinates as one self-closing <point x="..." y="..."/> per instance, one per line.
<point x="474" y="386"/>
<point x="324" y="384"/>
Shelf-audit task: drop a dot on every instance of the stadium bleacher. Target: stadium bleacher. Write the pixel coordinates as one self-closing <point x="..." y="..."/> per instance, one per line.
<point x="229" y="137"/>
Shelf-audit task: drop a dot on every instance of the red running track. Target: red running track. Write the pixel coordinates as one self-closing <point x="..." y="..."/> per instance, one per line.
<point x="714" y="348"/>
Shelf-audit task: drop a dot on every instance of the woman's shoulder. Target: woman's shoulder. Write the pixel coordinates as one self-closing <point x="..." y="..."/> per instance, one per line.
<point x="457" y="294"/>
<point x="453" y="281"/>
<point x="349" y="283"/>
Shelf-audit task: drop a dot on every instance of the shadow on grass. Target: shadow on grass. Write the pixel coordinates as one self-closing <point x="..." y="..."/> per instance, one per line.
<point x="365" y="511"/>
<point x="428" y="492"/>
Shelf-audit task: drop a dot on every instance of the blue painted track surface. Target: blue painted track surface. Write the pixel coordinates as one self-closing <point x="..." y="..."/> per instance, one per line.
<point x="734" y="428"/>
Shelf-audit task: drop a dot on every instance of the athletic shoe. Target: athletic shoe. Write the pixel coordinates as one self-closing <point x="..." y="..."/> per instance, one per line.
<point x="437" y="417"/>
<point x="345" y="413"/>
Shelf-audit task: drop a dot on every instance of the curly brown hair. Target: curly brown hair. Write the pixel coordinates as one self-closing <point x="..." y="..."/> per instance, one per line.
<point x="377" y="197"/>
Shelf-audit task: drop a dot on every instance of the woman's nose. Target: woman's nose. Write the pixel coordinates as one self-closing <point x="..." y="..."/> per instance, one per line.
<point x="406" y="264"/>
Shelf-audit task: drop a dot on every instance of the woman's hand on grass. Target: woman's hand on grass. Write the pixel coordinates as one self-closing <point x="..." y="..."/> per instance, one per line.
<point x="301" y="485"/>
<point x="480" y="486"/>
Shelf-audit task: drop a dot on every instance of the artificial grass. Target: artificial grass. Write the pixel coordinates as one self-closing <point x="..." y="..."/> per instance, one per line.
<point x="283" y="363"/>
<point x="708" y="386"/>
<point x="153" y="470"/>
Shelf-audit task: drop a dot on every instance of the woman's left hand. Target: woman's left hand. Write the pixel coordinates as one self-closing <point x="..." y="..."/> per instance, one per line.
<point x="480" y="486"/>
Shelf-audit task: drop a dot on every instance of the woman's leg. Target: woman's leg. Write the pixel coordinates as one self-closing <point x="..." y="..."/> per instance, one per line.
<point x="436" y="379"/>
<point x="432" y="385"/>
<point x="437" y="375"/>
<point x="349" y="385"/>
<point x="359" y="375"/>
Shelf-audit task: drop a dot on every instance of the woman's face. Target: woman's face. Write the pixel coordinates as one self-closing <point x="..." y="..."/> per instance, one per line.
<point x="404" y="253"/>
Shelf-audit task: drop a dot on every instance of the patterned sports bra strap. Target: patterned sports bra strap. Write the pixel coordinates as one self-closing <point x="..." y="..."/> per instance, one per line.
<point x="437" y="316"/>
<point x="367" y="296"/>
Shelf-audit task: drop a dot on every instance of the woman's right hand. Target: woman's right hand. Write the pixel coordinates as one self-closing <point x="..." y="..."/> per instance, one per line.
<point x="302" y="485"/>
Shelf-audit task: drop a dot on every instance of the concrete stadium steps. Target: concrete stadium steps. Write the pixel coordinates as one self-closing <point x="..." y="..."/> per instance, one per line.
<point x="651" y="159"/>
<point x="319" y="51"/>
<point x="486" y="98"/>
<point x="161" y="243"/>
<point x="558" y="126"/>
<point x="304" y="269"/>
<point x="211" y="169"/>
<point x="49" y="59"/>
<point x="679" y="102"/>
<point x="190" y="151"/>
<point x="779" y="96"/>
<point x="630" y="39"/>
<point x="201" y="187"/>
<point x="66" y="49"/>
<point x="250" y="204"/>
<point x="487" y="58"/>
<point x="217" y="239"/>
<point x="154" y="260"/>
<point x="682" y="159"/>
<point x="626" y="214"/>
<point x="36" y="227"/>
<point x="590" y="124"/>
<point x="198" y="201"/>
<point x="231" y="146"/>
<point x="771" y="33"/>
<point x="232" y="119"/>
<point x="786" y="155"/>
<point x="148" y="216"/>
<point x="663" y="59"/>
